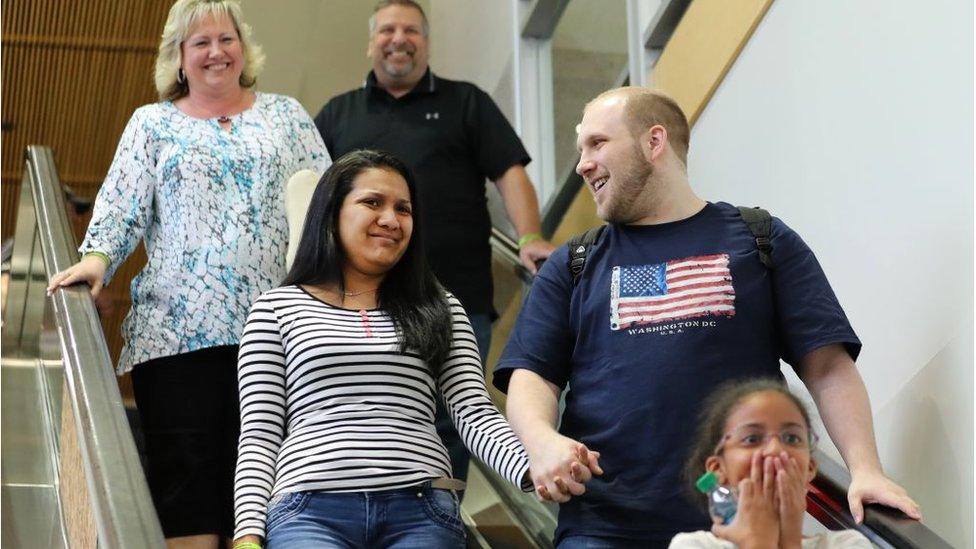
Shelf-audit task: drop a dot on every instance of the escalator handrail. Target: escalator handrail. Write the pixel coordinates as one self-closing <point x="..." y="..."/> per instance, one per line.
<point x="884" y="526"/>
<point x="121" y="504"/>
<point x="504" y="246"/>
<point x="536" y="519"/>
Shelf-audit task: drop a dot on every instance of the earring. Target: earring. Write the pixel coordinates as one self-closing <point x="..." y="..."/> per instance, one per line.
<point x="180" y="77"/>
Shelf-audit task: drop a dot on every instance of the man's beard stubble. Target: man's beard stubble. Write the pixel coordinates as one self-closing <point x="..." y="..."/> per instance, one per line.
<point x="624" y="206"/>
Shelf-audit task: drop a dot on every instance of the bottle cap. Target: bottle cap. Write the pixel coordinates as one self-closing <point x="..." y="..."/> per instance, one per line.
<point x="707" y="482"/>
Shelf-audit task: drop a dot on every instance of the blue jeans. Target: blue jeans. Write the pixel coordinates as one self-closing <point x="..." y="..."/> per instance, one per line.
<point x="419" y="517"/>
<point x="481" y="324"/>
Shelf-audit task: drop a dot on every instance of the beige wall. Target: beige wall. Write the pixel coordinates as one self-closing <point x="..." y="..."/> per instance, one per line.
<point x="316" y="49"/>
<point x="593" y="25"/>
<point x="480" y="54"/>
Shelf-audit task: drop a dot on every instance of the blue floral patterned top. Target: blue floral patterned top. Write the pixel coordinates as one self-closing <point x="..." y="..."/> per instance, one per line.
<point x="210" y="205"/>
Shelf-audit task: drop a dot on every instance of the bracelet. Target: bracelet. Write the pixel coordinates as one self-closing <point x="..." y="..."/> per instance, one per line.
<point x="528" y="237"/>
<point x="247" y="545"/>
<point x="104" y="256"/>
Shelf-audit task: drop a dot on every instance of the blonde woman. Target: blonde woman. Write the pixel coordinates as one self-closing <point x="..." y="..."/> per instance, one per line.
<point x="199" y="178"/>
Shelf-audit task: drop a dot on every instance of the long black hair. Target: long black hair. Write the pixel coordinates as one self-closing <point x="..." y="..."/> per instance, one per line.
<point x="715" y="412"/>
<point x="409" y="292"/>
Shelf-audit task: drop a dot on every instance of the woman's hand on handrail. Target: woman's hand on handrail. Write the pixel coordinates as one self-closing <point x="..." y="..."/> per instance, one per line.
<point x="91" y="270"/>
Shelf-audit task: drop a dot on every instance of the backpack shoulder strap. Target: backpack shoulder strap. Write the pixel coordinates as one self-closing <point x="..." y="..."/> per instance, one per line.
<point x="579" y="247"/>
<point x="759" y="221"/>
<point x="760" y="225"/>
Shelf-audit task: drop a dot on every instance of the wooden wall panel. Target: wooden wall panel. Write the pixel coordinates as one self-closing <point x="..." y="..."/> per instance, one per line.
<point x="73" y="72"/>
<point x="710" y="42"/>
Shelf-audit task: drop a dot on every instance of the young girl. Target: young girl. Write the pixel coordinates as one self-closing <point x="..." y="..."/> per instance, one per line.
<point x="755" y="437"/>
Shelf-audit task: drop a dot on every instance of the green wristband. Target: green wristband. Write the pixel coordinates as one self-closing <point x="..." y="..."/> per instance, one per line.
<point x="247" y="545"/>
<point x="528" y="237"/>
<point x="104" y="256"/>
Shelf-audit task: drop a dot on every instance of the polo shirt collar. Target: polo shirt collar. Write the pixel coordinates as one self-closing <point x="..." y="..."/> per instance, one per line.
<point x="427" y="83"/>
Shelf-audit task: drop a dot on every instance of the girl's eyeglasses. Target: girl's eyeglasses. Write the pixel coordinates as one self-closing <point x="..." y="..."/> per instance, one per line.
<point x="752" y="437"/>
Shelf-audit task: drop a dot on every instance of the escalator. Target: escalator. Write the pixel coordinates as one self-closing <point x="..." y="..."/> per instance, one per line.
<point x="71" y="475"/>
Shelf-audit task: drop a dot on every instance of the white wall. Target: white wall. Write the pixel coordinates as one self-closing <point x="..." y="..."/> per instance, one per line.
<point x="853" y="122"/>
<point x="593" y="25"/>
<point x="472" y="41"/>
<point x="315" y="49"/>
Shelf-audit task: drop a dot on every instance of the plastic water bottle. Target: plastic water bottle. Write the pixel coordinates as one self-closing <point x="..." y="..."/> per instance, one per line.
<point x="722" y="503"/>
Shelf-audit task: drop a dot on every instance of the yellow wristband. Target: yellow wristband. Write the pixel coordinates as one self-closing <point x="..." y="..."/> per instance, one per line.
<point x="104" y="256"/>
<point x="247" y="545"/>
<point x="528" y="237"/>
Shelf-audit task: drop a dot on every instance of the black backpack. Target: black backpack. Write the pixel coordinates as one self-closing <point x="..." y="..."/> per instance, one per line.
<point x="757" y="219"/>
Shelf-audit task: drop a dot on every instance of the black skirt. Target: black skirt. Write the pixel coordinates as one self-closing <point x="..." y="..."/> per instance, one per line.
<point x="190" y="414"/>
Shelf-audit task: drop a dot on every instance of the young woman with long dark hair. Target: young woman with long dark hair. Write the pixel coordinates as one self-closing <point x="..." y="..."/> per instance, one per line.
<point x="339" y="370"/>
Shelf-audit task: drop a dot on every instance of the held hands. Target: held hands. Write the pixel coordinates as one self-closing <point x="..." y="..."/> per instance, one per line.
<point x="91" y="270"/>
<point x="874" y="487"/>
<point x="560" y="467"/>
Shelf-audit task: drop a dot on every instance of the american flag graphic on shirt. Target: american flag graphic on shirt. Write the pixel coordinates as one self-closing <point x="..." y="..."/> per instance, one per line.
<point x="681" y="288"/>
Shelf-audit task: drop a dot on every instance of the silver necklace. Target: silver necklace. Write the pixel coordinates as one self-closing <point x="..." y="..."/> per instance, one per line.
<point x="354" y="294"/>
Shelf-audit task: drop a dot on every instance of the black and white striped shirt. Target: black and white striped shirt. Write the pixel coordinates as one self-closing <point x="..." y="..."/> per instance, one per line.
<point x="330" y="403"/>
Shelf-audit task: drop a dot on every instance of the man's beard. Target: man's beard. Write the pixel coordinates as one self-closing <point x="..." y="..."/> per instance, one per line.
<point x="399" y="70"/>
<point x="624" y="207"/>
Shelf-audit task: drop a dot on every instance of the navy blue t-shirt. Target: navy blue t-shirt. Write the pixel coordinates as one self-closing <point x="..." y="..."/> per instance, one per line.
<point x="661" y="316"/>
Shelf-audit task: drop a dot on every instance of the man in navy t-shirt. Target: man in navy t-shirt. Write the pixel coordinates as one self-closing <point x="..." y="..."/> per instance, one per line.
<point x="673" y="301"/>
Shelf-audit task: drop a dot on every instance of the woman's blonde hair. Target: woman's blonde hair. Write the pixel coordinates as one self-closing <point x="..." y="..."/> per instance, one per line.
<point x="182" y="16"/>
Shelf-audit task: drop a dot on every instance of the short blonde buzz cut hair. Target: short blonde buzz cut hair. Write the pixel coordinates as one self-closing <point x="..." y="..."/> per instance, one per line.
<point x="182" y="16"/>
<point x="645" y="108"/>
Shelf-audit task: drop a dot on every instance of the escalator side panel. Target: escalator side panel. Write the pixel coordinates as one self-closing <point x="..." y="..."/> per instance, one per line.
<point x="28" y="467"/>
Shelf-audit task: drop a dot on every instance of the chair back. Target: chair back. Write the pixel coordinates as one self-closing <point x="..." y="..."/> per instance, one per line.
<point x="298" y="194"/>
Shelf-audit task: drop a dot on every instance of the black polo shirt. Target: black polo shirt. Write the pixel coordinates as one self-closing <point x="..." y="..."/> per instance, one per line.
<point x="452" y="135"/>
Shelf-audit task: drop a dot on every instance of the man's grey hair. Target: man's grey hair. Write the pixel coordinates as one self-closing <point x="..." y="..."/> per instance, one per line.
<point x="404" y="3"/>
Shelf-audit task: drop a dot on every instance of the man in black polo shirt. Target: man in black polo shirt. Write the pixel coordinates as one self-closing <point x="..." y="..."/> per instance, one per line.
<point x="453" y="137"/>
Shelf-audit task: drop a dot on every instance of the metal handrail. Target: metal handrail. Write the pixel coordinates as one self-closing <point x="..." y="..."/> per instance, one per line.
<point x="505" y="247"/>
<point x="121" y="505"/>
<point x="536" y="519"/>
<point x="884" y="526"/>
